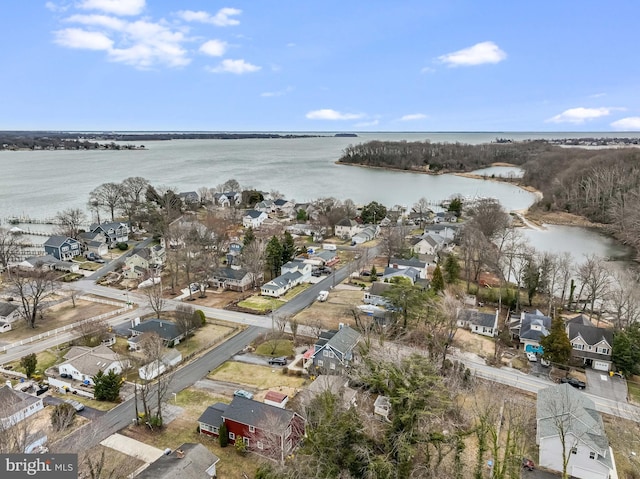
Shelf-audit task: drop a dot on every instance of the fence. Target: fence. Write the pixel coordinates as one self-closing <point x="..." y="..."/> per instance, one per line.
<point x="55" y="332"/>
<point x="101" y="301"/>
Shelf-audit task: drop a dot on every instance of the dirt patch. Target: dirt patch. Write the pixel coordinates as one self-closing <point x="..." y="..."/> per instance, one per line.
<point x="216" y="299"/>
<point x="624" y="439"/>
<point x="558" y="218"/>
<point x="467" y="341"/>
<point x="335" y="310"/>
<point x="260" y="377"/>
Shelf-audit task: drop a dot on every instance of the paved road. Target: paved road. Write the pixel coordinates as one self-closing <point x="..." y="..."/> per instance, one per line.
<point x="123" y="414"/>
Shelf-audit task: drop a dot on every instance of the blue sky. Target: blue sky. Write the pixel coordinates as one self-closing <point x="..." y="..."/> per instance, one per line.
<point x="291" y="65"/>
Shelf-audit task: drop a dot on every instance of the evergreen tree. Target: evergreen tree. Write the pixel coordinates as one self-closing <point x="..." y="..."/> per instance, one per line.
<point x="557" y="347"/>
<point x="407" y="299"/>
<point x="626" y="350"/>
<point x="29" y="363"/>
<point x="107" y="386"/>
<point x="437" y="281"/>
<point x="374" y="212"/>
<point x="223" y="435"/>
<point x="249" y="236"/>
<point x="451" y="268"/>
<point x="288" y="247"/>
<point x="374" y="273"/>
<point x="301" y="215"/>
<point x="455" y="207"/>
<point x="273" y="255"/>
<point x="531" y="279"/>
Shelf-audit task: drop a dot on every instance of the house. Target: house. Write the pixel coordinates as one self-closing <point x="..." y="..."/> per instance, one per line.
<point x="420" y="266"/>
<point x="62" y="248"/>
<point x="114" y="232"/>
<point x="95" y="243"/>
<point x="382" y="407"/>
<point x="375" y="294"/>
<point x="283" y="206"/>
<point x="143" y="263"/>
<point x="229" y="198"/>
<point x="265" y="206"/>
<point x="49" y="262"/>
<point x="17" y="406"/>
<point x="82" y="363"/>
<point x="233" y="278"/>
<point x="368" y="233"/>
<point x="334" y="350"/>
<point x="9" y="312"/>
<point x="5" y="327"/>
<point x="152" y="370"/>
<point x="590" y="344"/>
<point x="563" y="411"/>
<point x="253" y="218"/>
<point x="336" y="385"/>
<point x="276" y="399"/>
<point x="346" y="228"/>
<point x="530" y="328"/>
<point x="479" y="322"/>
<point x="411" y="274"/>
<point x="266" y="430"/>
<point x="429" y="244"/>
<point x="189" y="460"/>
<point x="293" y="273"/>
<point x="167" y="330"/>
<point x="447" y="231"/>
<point x="189" y="197"/>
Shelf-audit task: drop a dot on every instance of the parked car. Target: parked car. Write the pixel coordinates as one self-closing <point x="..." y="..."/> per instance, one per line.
<point x="95" y="258"/>
<point x="243" y="394"/>
<point x="576" y="383"/>
<point x="532" y="357"/>
<point x="281" y="361"/>
<point x="77" y="405"/>
<point x="616" y="374"/>
<point x="316" y="273"/>
<point x="545" y="362"/>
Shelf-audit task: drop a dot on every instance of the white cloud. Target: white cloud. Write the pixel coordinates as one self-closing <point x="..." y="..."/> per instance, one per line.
<point x="580" y="115"/>
<point x="269" y="94"/>
<point x="78" y="38"/>
<point x="427" y="70"/>
<point x="413" y="117"/>
<point x="214" y="48"/>
<point x="366" y="123"/>
<point x="478" y="54"/>
<point x="98" y="21"/>
<point x="117" y="7"/>
<point x="220" y="19"/>
<point x="234" y="66"/>
<point x="54" y="7"/>
<point x="627" y="124"/>
<point x="328" y="114"/>
<point x="597" y="95"/>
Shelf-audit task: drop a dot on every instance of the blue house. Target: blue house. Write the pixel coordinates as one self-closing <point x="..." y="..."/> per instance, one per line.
<point x="62" y="248"/>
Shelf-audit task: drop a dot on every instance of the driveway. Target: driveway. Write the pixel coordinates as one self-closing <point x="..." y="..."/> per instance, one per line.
<point x="599" y="383"/>
<point x="133" y="447"/>
<point x="88" y="412"/>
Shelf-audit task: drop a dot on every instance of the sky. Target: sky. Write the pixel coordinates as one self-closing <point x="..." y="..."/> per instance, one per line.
<point x="291" y="65"/>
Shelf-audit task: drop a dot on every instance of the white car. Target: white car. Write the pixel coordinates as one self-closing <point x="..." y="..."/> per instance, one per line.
<point x="532" y="357"/>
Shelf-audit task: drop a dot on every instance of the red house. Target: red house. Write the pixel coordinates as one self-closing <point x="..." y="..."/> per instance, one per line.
<point x="267" y="430"/>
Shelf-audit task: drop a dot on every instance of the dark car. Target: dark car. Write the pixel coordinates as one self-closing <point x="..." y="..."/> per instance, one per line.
<point x="281" y="361"/>
<point x="528" y="464"/>
<point x="576" y="383"/>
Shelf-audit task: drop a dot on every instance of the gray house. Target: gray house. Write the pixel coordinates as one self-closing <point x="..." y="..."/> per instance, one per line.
<point x="114" y="232"/>
<point x="590" y="344"/>
<point x="530" y="328"/>
<point x="62" y="248"/>
<point x="479" y="322"/>
<point x="334" y="351"/>
<point x="563" y="411"/>
<point x="189" y="460"/>
<point x="167" y="330"/>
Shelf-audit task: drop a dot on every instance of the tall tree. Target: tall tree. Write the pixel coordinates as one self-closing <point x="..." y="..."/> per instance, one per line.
<point x="133" y="196"/>
<point x="70" y="221"/>
<point x="10" y="247"/>
<point x="373" y="213"/>
<point x="556" y="345"/>
<point x="288" y="248"/>
<point x="489" y="217"/>
<point x="33" y="287"/>
<point x="451" y="268"/>
<point x="437" y="281"/>
<point x="253" y="260"/>
<point x="408" y="300"/>
<point x="107" y="386"/>
<point x="29" y="363"/>
<point x="274" y="256"/>
<point x="107" y="196"/>
<point x="423" y="210"/>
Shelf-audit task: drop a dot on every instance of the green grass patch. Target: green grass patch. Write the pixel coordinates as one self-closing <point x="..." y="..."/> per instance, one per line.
<point x="261" y="303"/>
<point x="634" y="391"/>
<point x="292" y="293"/>
<point x="46" y="359"/>
<point x="99" y="405"/>
<point x="283" y="347"/>
<point x="90" y="266"/>
<point x="261" y="377"/>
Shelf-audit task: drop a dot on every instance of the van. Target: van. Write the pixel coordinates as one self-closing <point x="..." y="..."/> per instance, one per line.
<point x="323" y="295"/>
<point x="329" y="247"/>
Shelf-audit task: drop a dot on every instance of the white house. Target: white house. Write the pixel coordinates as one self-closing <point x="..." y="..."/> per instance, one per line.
<point x="564" y="411"/>
<point x="253" y="218"/>
<point x="155" y="368"/>
<point x="479" y="322"/>
<point x="82" y="363"/>
<point x="9" y="312"/>
<point x="17" y="406"/>
<point x="293" y="273"/>
<point x="346" y="228"/>
<point x="114" y="232"/>
<point x="368" y="233"/>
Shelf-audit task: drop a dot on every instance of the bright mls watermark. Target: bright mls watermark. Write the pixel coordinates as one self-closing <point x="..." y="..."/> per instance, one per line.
<point x="49" y="466"/>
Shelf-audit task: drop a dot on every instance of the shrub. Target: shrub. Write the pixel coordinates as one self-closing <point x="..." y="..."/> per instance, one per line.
<point x="223" y="436"/>
<point x="285" y="370"/>
<point x="241" y="447"/>
<point x="200" y="314"/>
<point x="122" y="246"/>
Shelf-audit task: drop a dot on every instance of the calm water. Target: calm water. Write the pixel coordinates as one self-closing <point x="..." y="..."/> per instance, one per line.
<point x="40" y="183"/>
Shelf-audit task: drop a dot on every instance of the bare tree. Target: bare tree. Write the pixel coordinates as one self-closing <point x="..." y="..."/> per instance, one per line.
<point x="33" y="287"/>
<point x="278" y="326"/>
<point x="186" y="319"/>
<point x="133" y="189"/>
<point x="423" y="210"/>
<point x="91" y="333"/>
<point x="107" y="196"/>
<point x="253" y="260"/>
<point x="595" y="278"/>
<point x="10" y="247"/>
<point x="155" y="297"/>
<point x="62" y="416"/>
<point x="624" y="299"/>
<point x="70" y="221"/>
<point x="394" y="242"/>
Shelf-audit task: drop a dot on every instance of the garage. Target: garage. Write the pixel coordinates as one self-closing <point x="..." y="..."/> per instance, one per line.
<point x="601" y="365"/>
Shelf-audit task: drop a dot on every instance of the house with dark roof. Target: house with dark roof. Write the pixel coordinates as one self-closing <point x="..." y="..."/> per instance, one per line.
<point x="530" y="328"/>
<point x="266" y="430"/>
<point x="95" y="243"/>
<point x="283" y="206"/>
<point x="293" y="273"/>
<point x="591" y="345"/>
<point x="253" y="218"/>
<point x="346" y="228"/>
<point x="368" y="233"/>
<point x="234" y="278"/>
<point x="479" y="322"/>
<point x="9" y="312"/>
<point x="189" y="197"/>
<point x="17" y="406"/>
<point x="562" y="411"/>
<point x="167" y="330"/>
<point x="62" y="248"/>
<point x="189" y="460"/>
<point x="415" y="263"/>
<point x="411" y="274"/>
<point x="375" y="294"/>
<point x="229" y="198"/>
<point x="334" y="352"/>
<point x="114" y="232"/>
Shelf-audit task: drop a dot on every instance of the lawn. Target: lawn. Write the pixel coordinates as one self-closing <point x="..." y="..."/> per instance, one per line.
<point x="295" y="291"/>
<point x="261" y="303"/>
<point x="90" y="266"/>
<point x="283" y="347"/>
<point x="205" y="336"/>
<point x="46" y="359"/>
<point x="99" y="405"/>
<point x="634" y="391"/>
<point x="261" y="377"/>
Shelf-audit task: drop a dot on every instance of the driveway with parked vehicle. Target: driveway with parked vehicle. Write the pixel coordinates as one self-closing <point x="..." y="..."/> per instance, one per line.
<point x="603" y="385"/>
